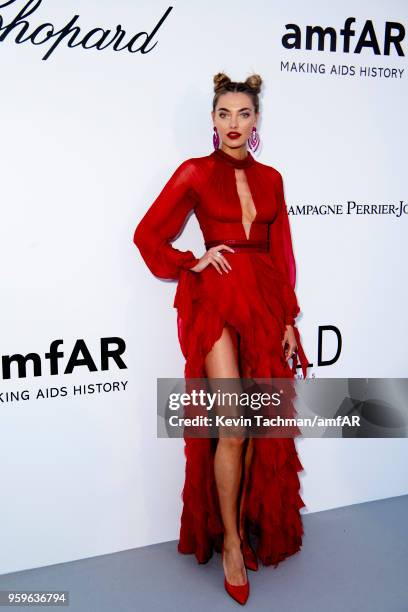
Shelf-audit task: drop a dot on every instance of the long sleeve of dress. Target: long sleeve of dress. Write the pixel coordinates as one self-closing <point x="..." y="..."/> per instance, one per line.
<point x="162" y="223"/>
<point x="281" y="250"/>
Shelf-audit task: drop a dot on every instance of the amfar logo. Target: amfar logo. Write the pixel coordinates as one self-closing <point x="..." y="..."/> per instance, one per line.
<point x="79" y="356"/>
<point x="98" y="38"/>
<point x="394" y="34"/>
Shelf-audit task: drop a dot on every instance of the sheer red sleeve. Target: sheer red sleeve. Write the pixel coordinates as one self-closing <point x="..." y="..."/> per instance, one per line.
<point x="281" y="249"/>
<point x="162" y="223"/>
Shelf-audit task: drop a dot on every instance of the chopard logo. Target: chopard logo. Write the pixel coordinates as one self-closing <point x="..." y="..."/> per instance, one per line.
<point x="317" y="38"/>
<point x="21" y="29"/>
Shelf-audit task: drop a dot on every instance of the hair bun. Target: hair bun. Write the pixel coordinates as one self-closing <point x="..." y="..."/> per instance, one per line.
<point x="223" y="84"/>
<point x="220" y="80"/>
<point x="254" y="81"/>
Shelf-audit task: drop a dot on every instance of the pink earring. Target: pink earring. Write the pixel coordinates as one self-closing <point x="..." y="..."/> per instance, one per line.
<point x="216" y="138"/>
<point x="254" y="140"/>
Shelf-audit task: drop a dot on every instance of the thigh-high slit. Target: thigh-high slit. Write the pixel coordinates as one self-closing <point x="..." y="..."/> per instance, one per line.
<point x="271" y="502"/>
<point x="226" y="362"/>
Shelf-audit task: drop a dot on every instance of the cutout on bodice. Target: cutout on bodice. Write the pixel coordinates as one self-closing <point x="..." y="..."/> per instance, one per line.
<point x="245" y="197"/>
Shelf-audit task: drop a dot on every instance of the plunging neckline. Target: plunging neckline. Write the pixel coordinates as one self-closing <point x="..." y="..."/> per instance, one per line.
<point x="246" y="224"/>
<point x="241" y="164"/>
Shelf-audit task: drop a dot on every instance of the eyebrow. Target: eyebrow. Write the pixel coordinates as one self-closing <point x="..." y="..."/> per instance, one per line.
<point x="241" y="109"/>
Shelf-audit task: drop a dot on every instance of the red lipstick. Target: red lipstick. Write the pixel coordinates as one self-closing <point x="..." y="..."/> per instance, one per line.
<point x="233" y="135"/>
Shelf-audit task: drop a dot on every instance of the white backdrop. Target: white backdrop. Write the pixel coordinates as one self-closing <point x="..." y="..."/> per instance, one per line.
<point x="88" y="139"/>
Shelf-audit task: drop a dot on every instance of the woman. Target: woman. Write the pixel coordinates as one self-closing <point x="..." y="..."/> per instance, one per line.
<point x="236" y="309"/>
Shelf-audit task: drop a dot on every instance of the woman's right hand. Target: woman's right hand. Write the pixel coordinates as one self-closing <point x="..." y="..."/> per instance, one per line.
<point x="214" y="257"/>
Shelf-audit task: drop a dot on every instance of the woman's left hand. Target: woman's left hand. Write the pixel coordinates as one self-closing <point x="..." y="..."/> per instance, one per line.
<point x="289" y="339"/>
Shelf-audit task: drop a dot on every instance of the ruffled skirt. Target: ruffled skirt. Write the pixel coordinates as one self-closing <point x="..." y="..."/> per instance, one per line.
<point x="248" y="298"/>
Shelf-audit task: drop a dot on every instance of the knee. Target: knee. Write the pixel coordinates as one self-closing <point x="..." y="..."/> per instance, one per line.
<point x="232" y="442"/>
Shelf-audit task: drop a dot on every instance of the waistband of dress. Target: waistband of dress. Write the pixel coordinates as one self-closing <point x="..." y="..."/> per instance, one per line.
<point x="252" y="246"/>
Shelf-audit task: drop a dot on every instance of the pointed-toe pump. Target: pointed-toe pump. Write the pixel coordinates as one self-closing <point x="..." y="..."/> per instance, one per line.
<point x="250" y="558"/>
<point x="239" y="592"/>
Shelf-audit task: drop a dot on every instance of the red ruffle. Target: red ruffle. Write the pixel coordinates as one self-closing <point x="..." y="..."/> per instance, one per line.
<point x="273" y="500"/>
<point x="250" y="299"/>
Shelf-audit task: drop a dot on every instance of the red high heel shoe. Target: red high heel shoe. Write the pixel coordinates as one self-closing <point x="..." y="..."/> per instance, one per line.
<point x="239" y="592"/>
<point x="250" y="558"/>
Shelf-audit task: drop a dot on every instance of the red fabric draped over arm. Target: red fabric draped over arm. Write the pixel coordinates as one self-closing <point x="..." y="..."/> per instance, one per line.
<point x="162" y="223"/>
<point x="281" y="249"/>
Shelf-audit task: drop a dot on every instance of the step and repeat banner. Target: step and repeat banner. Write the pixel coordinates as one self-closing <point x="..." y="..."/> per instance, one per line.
<point x="100" y="102"/>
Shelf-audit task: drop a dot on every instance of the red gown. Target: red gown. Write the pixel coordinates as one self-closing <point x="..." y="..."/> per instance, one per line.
<point x="258" y="299"/>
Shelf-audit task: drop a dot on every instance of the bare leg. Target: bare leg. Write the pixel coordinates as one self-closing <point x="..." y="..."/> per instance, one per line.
<point x="247" y="464"/>
<point x="248" y="458"/>
<point x="222" y="362"/>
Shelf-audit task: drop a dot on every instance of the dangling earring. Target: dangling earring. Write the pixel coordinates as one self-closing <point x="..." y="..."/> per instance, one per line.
<point x="216" y="138"/>
<point x="254" y="140"/>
